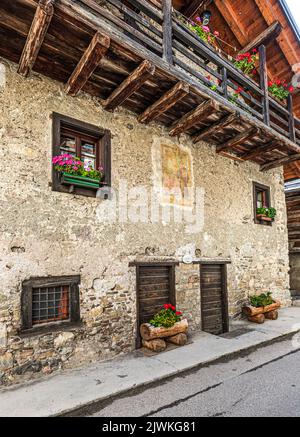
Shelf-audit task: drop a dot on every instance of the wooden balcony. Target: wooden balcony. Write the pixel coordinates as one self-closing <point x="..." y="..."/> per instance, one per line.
<point x="134" y="55"/>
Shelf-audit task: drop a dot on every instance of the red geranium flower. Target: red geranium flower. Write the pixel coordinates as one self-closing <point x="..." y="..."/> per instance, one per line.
<point x="291" y="89"/>
<point x="167" y="306"/>
<point x="178" y="313"/>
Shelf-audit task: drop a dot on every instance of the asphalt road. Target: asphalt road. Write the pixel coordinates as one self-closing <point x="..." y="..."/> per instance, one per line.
<point x="263" y="383"/>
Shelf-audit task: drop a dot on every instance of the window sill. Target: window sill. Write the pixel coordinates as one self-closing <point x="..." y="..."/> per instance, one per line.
<point x="49" y="329"/>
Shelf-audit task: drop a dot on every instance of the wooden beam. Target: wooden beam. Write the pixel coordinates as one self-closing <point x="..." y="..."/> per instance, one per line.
<point x="192" y="8"/>
<point x="167" y="31"/>
<point x="194" y="116"/>
<point x="221" y="124"/>
<point x="264" y="38"/>
<point x="233" y="21"/>
<point x="131" y="84"/>
<point x="286" y="44"/>
<point x="88" y="63"/>
<point x="264" y="83"/>
<point x="260" y="150"/>
<point x="279" y="162"/>
<point x="230" y="156"/>
<point x="36" y="35"/>
<point x="238" y="139"/>
<point x="169" y="99"/>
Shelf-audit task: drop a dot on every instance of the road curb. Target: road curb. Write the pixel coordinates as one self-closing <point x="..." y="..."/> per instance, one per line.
<point x="95" y="405"/>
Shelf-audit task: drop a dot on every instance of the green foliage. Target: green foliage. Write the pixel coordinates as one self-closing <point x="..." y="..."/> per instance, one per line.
<point x="268" y="212"/>
<point x="261" y="300"/>
<point x="167" y="317"/>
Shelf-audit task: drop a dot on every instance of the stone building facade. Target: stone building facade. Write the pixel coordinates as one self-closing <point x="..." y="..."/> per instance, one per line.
<point x="49" y="233"/>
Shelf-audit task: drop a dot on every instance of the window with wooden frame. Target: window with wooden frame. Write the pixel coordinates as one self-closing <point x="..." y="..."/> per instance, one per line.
<point x="51" y="301"/>
<point x="89" y="143"/>
<point x="261" y="199"/>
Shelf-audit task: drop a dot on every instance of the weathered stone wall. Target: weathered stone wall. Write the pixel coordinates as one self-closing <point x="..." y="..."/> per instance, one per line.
<point x="51" y="233"/>
<point x="295" y="273"/>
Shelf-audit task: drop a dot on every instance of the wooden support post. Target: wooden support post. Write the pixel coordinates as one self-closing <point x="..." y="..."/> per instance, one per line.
<point x="36" y="35"/>
<point x="264" y="83"/>
<point x="238" y="139"/>
<point x="224" y="122"/>
<point x="279" y="162"/>
<point x="167" y="31"/>
<point x="169" y="99"/>
<point x="194" y="116"/>
<point x="88" y="63"/>
<point x="260" y="150"/>
<point x="224" y="82"/>
<point x="133" y="82"/>
<point x="291" y="119"/>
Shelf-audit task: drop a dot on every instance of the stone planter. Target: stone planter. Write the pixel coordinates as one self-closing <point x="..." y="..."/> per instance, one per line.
<point x="149" y="332"/>
<point x="79" y="181"/>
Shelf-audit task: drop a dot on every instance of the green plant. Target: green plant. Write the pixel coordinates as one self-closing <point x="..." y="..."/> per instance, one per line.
<point x="72" y="165"/>
<point x="280" y="89"/>
<point x="246" y="62"/>
<point x="268" y="212"/>
<point x="167" y="317"/>
<point x="261" y="300"/>
<point x="202" y="31"/>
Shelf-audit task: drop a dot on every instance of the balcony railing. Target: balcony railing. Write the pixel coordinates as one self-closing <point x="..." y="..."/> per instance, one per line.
<point x="162" y="33"/>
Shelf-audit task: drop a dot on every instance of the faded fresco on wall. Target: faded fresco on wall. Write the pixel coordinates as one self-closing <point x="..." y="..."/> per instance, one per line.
<point x="173" y="168"/>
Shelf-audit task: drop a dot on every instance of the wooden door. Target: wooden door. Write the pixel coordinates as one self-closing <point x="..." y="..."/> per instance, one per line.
<point x="214" y="306"/>
<point x="155" y="287"/>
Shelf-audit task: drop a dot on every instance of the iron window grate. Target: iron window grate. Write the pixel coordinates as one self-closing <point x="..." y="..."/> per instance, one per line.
<point x="50" y="304"/>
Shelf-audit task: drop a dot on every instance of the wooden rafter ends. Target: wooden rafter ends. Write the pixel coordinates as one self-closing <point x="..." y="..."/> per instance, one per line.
<point x="36" y="35"/>
<point x="133" y="82"/>
<point x="238" y="139"/>
<point x="169" y="99"/>
<point x="221" y="124"/>
<point x="88" y="63"/>
<point x="279" y="162"/>
<point x="265" y="37"/>
<point x="260" y="150"/>
<point x="194" y="116"/>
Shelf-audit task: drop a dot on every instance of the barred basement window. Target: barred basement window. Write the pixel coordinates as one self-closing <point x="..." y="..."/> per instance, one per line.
<point x="50" y="301"/>
<point x="90" y="144"/>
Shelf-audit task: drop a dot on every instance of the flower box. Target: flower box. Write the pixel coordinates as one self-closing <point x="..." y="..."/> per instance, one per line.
<point x="79" y="181"/>
<point x="264" y="218"/>
<point x="149" y="332"/>
<point x="252" y="311"/>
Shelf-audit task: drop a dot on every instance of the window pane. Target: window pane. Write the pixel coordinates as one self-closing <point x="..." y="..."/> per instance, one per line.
<point x="88" y="154"/>
<point x="259" y="199"/>
<point x="68" y="145"/>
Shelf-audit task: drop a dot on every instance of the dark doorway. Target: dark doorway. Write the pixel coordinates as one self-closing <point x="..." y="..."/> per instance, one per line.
<point x="214" y="301"/>
<point x="155" y="287"/>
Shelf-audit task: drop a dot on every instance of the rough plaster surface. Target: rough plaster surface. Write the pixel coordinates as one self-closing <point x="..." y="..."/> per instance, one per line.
<point x="52" y="233"/>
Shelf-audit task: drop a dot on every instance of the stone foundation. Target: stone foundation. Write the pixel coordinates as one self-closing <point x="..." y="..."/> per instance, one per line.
<point x="48" y="233"/>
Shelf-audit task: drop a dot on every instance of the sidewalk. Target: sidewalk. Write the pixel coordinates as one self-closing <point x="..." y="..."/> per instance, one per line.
<point x="73" y="389"/>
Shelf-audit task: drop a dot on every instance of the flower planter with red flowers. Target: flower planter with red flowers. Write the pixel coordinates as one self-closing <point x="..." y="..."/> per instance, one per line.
<point x="246" y="62"/>
<point x="280" y="90"/>
<point x="166" y="324"/>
